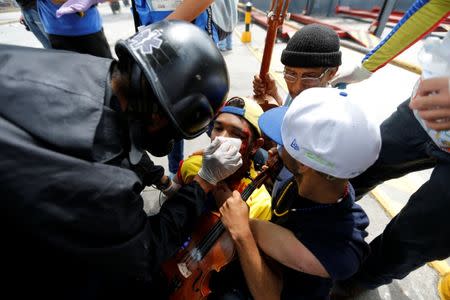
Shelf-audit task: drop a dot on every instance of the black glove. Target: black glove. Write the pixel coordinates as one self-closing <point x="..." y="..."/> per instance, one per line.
<point x="147" y="171"/>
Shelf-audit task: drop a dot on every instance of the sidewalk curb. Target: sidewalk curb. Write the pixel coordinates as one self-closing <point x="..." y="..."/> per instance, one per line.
<point x="8" y="22"/>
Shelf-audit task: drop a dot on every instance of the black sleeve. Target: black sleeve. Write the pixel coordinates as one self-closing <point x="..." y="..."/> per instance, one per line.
<point x="63" y="209"/>
<point x="147" y="171"/>
<point x="175" y="221"/>
<point x="150" y="241"/>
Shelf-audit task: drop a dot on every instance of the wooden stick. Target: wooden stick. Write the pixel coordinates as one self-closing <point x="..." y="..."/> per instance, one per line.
<point x="276" y="18"/>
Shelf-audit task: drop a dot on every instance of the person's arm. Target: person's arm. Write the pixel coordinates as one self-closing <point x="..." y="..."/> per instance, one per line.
<point x="432" y="101"/>
<point x="75" y="6"/>
<point x="188" y="10"/>
<point x="282" y="245"/>
<point x="175" y="221"/>
<point x="262" y="281"/>
<point x="419" y="20"/>
<point x="219" y="160"/>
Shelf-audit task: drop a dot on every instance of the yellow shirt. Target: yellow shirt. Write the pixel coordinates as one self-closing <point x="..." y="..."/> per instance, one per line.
<point x="259" y="201"/>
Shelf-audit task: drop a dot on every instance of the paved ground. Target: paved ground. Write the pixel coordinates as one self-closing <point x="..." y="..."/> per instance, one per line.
<point x="379" y="95"/>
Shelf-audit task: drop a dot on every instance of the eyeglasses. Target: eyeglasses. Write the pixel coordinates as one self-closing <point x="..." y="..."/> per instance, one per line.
<point x="307" y="81"/>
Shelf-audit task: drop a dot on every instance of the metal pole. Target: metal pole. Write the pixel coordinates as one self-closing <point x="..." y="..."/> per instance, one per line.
<point x="309" y="7"/>
<point x="332" y="8"/>
<point x="383" y="17"/>
<point x="247" y="35"/>
<point x="136" y="19"/>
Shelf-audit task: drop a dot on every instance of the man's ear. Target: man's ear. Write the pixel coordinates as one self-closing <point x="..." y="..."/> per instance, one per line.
<point x="257" y="144"/>
<point x="303" y="168"/>
<point x="332" y="73"/>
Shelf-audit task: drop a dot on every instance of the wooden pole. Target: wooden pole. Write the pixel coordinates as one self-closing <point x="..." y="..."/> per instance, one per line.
<point x="276" y="16"/>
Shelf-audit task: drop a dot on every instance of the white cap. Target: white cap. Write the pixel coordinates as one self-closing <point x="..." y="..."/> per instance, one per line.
<point x="326" y="131"/>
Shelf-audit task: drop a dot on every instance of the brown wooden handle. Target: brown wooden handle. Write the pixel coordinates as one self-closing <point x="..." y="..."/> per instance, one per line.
<point x="268" y="49"/>
<point x="276" y="17"/>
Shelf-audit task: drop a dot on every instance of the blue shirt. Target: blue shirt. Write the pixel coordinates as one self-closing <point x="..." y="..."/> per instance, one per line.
<point x="334" y="233"/>
<point x="148" y="16"/>
<point x="70" y="24"/>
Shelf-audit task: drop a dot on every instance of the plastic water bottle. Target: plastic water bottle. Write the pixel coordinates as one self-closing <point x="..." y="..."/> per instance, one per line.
<point x="434" y="58"/>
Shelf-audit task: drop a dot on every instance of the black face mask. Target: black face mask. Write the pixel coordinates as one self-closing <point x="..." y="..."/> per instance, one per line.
<point x="163" y="143"/>
<point x="159" y="144"/>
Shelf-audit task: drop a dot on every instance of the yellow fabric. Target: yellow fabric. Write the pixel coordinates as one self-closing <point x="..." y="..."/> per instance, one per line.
<point x="252" y="112"/>
<point x="189" y="168"/>
<point x="259" y="201"/>
<point x="413" y="29"/>
<point x="444" y="287"/>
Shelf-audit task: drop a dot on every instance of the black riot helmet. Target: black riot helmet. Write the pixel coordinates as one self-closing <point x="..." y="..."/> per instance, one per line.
<point x="185" y="69"/>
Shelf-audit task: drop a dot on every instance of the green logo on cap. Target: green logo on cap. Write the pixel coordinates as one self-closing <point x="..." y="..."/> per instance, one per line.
<point x="318" y="159"/>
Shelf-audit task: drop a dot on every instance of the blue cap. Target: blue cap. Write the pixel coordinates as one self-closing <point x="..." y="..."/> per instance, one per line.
<point x="270" y="123"/>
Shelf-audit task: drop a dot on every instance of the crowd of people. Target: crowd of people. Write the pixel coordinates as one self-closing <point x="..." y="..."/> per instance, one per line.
<point x="74" y="160"/>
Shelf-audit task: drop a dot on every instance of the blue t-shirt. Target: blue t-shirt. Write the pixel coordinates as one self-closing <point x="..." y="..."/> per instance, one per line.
<point x="70" y="24"/>
<point x="148" y="15"/>
<point x="334" y="233"/>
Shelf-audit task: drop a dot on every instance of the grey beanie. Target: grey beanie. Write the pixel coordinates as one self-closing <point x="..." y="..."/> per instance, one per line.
<point x="312" y="46"/>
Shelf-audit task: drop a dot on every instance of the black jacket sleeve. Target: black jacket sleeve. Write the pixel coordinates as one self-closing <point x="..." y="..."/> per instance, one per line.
<point x="62" y="209"/>
<point x="147" y="171"/>
<point x="174" y="223"/>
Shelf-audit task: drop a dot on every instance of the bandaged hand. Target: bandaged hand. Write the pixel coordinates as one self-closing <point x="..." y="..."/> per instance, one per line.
<point x="220" y="159"/>
<point x="353" y="74"/>
<point x="74" y="6"/>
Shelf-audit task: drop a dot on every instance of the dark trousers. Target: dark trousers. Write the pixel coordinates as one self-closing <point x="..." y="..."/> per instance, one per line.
<point x="176" y="156"/>
<point x="420" y="233"/>
<point x="94" y="44"/>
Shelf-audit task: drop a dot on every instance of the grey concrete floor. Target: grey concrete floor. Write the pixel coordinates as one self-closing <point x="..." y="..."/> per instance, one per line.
<point x="379" y="95"/>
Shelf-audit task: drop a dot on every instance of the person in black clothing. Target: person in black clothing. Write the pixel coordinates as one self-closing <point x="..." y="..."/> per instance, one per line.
<point x="316" y="234"/>
<point x="73" y="135"/>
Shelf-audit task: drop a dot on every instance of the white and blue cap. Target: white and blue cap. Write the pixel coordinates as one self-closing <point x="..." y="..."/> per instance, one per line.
<point x="250" y="111"/>
<point x="325" y="130"/>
